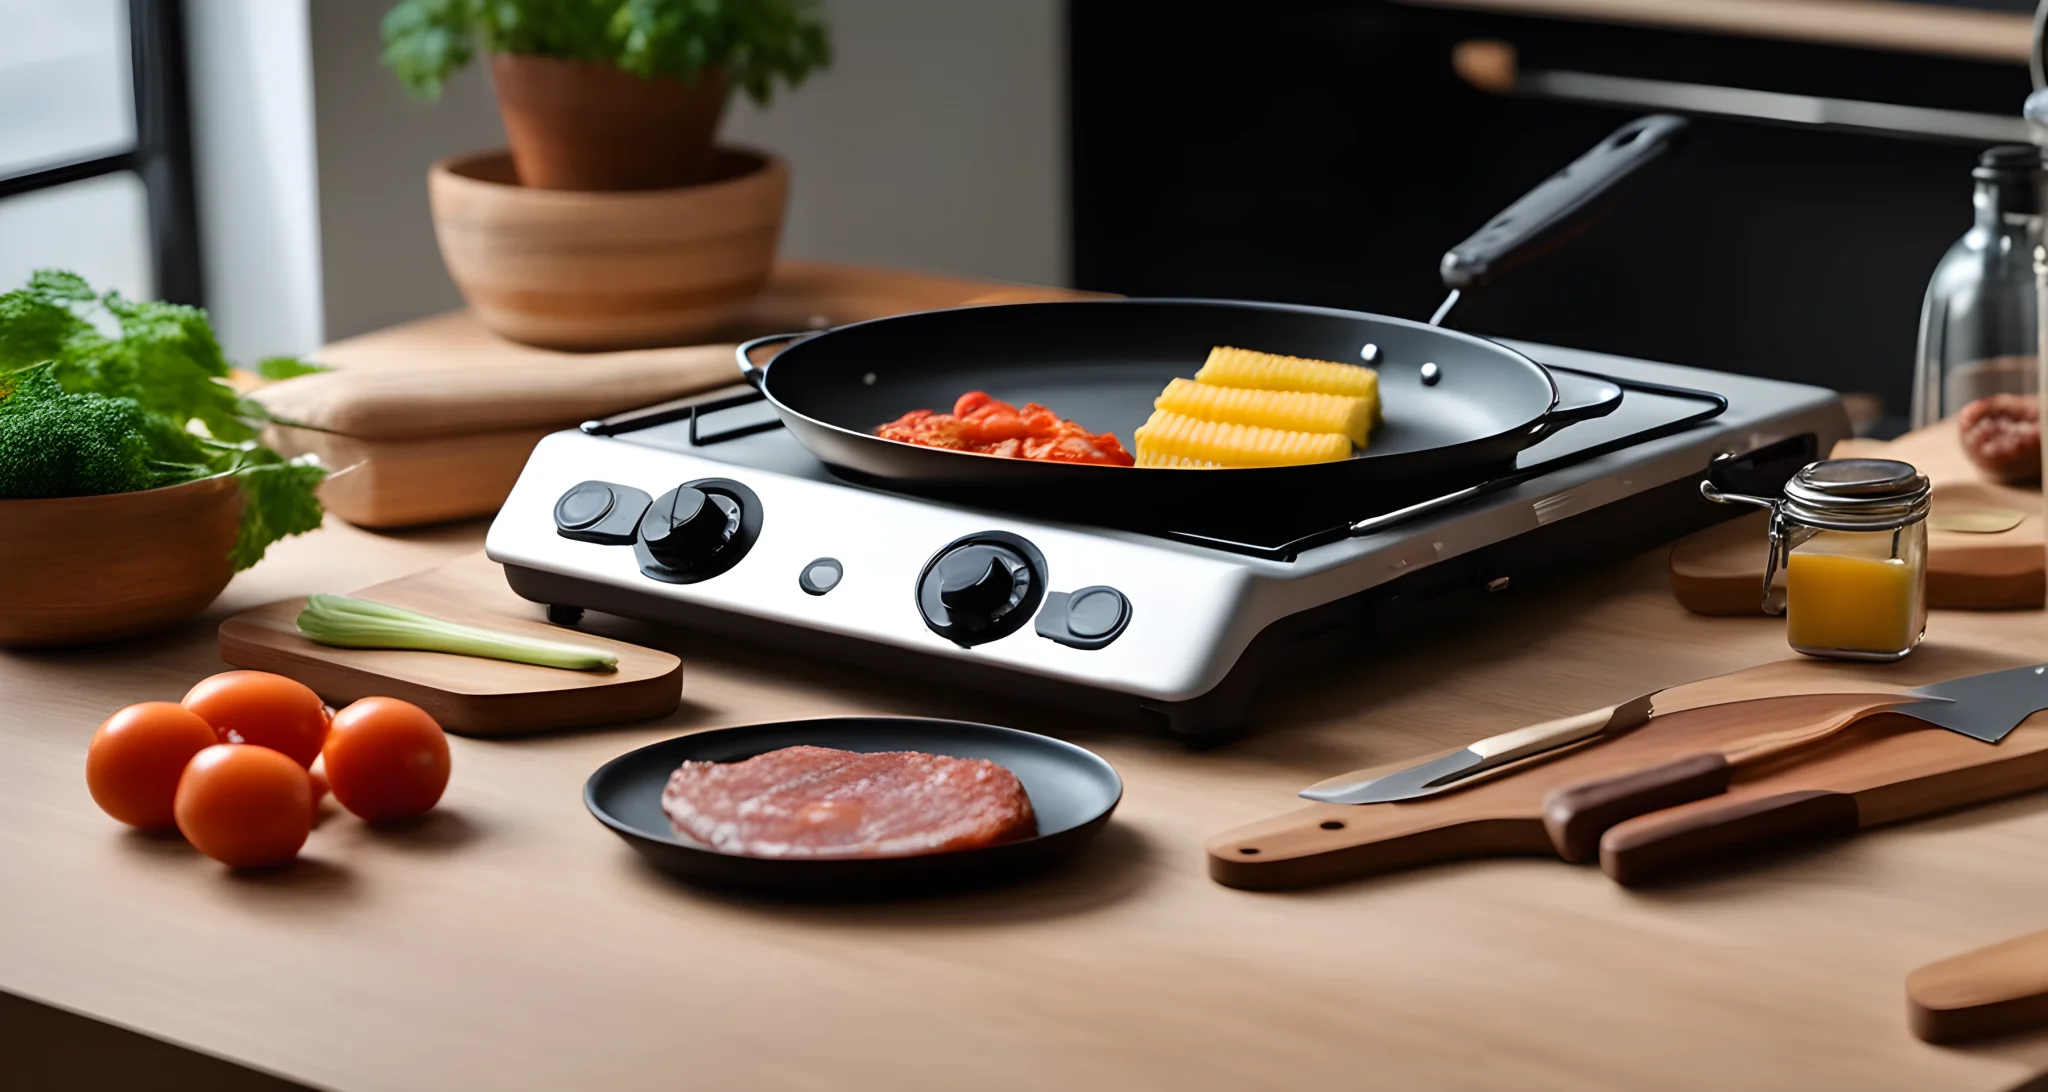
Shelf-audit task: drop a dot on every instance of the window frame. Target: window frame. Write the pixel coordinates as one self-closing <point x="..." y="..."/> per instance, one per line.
<point x="161" y="156"/>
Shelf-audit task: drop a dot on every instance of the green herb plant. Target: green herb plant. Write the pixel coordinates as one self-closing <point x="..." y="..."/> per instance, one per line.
<point x="756" y="43"/>
<point x="83" y="413"/>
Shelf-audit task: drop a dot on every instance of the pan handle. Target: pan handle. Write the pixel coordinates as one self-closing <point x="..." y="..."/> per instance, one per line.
<point x="742" y="354"/>
<point x="1581" y="397"/>
<point x="1566" y="202"/>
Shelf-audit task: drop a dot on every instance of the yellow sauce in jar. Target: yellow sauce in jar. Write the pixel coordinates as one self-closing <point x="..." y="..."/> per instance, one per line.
<point x="1851" y="600"/>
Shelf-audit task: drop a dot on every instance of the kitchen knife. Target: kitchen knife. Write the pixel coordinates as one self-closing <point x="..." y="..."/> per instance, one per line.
<point x="1461" y="766"/>
<point x="1985" y="707"/>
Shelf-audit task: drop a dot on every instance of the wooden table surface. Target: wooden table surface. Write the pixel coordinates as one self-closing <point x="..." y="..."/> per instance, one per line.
<point x="513" y="943"/>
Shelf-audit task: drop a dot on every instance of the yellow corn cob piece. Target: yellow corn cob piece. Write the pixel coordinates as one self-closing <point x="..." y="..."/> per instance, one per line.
<point x="1174" y="462"/>
<point x="1169" y="435"/>
<point x="1228" y="367"/>
<point x="1289" y="411"/>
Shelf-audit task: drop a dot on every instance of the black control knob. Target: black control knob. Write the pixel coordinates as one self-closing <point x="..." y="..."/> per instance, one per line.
<point x="976" y="584"/>
<point x="697" y="530"/>
<point x="981" y="587"/>
<point x="688" y="527"/>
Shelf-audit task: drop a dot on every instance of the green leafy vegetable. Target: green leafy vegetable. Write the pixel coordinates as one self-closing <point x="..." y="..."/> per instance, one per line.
<point x="83" y="413"/>
<point x="346" y="622"/>
<point x="756" y="43"/>
<point x="277" y="501"/>
<point x="287" y="367"/>
<point x="57" y="444"/>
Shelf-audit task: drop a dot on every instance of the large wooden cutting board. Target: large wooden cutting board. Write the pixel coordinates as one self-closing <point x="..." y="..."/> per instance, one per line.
<point x="468" y="695"/>
<point x="1910" y="769"/>
<point x="1720" y="570"/>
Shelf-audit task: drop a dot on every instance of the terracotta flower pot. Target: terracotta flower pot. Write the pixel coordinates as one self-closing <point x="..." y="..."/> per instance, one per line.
<point x="589" y="125"/>
<point x="588" y="271"/>
<point x="154" y="558"/>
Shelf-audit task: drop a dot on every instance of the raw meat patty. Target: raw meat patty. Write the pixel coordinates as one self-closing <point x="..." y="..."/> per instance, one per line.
<point x="820" y="802"/>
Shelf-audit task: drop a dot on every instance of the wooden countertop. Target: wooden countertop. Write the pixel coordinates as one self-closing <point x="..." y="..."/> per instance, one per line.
<point x="513" y="943"/>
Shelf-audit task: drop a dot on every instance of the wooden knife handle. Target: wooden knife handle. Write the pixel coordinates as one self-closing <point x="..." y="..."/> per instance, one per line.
<point x="1577" y="815"/>
<point x="1649" y="848"/>
<point x="1509" y="746"/>
<point x="1989" y="991"/>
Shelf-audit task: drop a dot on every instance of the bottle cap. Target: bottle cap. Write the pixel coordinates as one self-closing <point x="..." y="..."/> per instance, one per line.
<point x="2015" y="169"/>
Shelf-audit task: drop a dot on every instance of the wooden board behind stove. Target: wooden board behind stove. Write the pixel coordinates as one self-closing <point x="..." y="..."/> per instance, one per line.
<point x="1720" y="570"/>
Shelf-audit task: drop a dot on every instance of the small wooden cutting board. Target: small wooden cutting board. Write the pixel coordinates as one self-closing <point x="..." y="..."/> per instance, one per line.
<point x="1720" y="570"/>
<point x="469" y="695"/>
<point x="1901" y="769"/>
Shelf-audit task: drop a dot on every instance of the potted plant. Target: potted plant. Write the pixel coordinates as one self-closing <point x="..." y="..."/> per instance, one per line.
<point x="616" y="221"/>
<point x="610" y="94"/>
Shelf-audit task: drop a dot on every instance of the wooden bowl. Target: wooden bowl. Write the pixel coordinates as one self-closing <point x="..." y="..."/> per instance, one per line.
<point x="77" y="569"/>
<point x="607" y="270"/>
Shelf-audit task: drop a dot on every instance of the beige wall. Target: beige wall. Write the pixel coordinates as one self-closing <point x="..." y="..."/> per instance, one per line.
<point x="934" y="142"/>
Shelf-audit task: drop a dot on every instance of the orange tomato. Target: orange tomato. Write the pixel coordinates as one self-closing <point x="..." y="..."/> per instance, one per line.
<point x="265" y="709"/>
<point x="245" y="806"/>
<point x="386" y="759"/>
<point x="318" y="780"/>
<point x="133" y="763"/>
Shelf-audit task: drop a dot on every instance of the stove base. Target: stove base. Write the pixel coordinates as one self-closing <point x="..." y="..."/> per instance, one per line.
<point x="1434" y="598"/>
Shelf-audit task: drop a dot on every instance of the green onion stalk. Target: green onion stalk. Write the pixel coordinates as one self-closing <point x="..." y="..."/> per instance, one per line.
<point x="346" y="622"/>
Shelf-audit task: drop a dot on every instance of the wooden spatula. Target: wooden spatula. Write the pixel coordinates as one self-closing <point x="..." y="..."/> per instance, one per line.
<point x="1993" y="990"/>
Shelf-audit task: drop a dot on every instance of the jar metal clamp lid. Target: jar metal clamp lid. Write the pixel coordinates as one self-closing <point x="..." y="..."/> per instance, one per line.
<point x="1834" y="495"/>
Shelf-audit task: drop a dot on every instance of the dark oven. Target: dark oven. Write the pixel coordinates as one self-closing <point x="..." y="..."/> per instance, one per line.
<point x="1323" y="152"/>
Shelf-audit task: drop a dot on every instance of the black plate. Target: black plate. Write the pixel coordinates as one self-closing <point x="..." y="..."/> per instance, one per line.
<point x="1072" y="790"/>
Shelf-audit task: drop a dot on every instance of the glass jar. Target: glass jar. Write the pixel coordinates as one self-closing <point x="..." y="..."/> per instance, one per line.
<point x="1847" y="566"/>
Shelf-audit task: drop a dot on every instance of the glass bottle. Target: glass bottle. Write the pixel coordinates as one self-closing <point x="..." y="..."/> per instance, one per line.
<point x="1978" y="323"/>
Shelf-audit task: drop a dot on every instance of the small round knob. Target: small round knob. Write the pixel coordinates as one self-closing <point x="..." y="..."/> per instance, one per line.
<point x="688" y="526"/>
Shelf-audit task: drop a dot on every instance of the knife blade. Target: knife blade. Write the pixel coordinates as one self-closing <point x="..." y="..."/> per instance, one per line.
<point x="1985" y="707"/>
<point x="1490" y="753"/>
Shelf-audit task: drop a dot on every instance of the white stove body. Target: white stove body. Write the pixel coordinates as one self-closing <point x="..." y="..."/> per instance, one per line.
<point x="1193" y="610"/>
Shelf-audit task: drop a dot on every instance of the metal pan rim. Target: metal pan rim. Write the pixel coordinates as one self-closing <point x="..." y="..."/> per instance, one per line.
<point x="766" y="378"/>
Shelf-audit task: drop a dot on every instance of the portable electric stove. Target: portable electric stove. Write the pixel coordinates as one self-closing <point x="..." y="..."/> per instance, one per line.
<point x="709" y="516"/>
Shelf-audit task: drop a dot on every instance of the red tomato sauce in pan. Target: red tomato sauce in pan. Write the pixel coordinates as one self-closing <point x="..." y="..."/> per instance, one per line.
<point x="988" y="426"/>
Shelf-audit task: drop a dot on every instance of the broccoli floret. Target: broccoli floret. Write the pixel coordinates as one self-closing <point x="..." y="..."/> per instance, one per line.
<point x="55" y="444"/>
<point x="84" y="414"/>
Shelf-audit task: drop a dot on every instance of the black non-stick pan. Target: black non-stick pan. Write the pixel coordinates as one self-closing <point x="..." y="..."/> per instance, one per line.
<point x="1458" y="407"/>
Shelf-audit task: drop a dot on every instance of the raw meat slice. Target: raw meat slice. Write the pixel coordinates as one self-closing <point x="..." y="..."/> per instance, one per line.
<point x="813" y="802"/>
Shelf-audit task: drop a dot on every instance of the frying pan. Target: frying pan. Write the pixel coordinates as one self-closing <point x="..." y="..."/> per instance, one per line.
<point x="1458" y="407"/>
